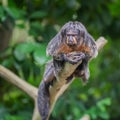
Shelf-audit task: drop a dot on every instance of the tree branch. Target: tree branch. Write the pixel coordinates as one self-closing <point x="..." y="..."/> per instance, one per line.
<point x="101" y="41"/>
<point x="58" y="88"/>
<point x="20" y="83"/>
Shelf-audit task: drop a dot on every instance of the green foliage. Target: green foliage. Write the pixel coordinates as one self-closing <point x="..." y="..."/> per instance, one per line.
<point x="24" y="50"/>
<point x="38" y="14"/>
<point x="100" y="110"/>
<point x="43" y="19"/>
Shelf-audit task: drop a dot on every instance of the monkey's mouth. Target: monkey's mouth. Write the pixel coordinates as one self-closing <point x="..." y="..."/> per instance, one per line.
<point x="71" y="42"/>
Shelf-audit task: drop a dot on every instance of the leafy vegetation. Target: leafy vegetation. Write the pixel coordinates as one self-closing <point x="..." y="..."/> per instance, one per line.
<point x="32" y="23"/>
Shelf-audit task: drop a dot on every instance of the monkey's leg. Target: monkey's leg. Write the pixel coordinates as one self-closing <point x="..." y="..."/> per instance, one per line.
<point x="82" y="71"/>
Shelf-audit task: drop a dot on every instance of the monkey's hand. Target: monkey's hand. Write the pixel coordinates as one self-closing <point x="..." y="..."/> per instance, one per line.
<point x="74" y="57"/>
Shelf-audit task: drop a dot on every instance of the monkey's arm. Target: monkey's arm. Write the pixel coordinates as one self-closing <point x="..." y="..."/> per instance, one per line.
<point x="82" y="71"/>
<point x="72" y="57"/>
<point x="60" y="60"/>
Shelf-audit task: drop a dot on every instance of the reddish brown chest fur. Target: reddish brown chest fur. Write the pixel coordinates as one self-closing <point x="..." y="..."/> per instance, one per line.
<point x="66" y="49"/>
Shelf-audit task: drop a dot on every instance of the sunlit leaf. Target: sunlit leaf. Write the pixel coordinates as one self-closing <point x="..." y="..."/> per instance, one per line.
<point x="23" y="49"/>
<point x="40" y="54"/>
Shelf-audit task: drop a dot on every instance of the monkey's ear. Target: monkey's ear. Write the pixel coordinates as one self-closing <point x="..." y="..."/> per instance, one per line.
<point x="54" y="44"/>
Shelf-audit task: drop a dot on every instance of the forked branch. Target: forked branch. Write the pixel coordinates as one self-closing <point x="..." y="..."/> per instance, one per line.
<point x="32" y="91"/>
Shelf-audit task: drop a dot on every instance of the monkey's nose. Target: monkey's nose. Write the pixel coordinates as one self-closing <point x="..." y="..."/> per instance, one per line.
<point x="71" y="41"/>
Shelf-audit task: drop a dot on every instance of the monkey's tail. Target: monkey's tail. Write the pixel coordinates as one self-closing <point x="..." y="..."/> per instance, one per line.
<point x="43" y="101"/>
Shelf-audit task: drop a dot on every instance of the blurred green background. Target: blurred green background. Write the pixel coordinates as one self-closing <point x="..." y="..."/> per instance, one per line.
<point x="26" y="26"/>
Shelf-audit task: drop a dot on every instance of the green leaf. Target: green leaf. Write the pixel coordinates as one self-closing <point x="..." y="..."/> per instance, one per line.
<point x="38" y="14"/>
<point x="93" y="112"/>
<point x="40" y="54"/>
<point x="104" y="115"/>
<point x="37" y="25"/>
<point x="35" y="28"/>
<point x="2" y="14"/>
<point x="15" y="12"/>
<point x="23" y="49"/>
<point x="106" y="101"/>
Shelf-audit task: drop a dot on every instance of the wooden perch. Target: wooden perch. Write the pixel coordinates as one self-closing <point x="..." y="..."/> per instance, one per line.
<point x="59" y="84"/>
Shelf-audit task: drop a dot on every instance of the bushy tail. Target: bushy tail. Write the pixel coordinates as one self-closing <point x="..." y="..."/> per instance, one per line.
<point x="43" y="101"/>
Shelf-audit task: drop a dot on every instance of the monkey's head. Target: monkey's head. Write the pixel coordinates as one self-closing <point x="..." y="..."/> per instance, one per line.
<point x="72" y="35"/>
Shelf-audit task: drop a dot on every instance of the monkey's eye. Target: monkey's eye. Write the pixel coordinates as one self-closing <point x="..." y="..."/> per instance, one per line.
<point x="74" y="35"/>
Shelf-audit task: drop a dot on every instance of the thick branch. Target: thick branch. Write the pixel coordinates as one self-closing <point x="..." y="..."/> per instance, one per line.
<point x="101" y="41"/>
<point x="15" y="80"/>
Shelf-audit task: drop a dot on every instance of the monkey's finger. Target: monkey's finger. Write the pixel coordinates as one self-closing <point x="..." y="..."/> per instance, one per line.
<point x="72" y="54"/>
<point x="75" y="59"/>
<point x="75" y="56"/>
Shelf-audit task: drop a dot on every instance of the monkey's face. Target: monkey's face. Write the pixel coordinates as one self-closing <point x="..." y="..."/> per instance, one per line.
<point x="72" y="37"/>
